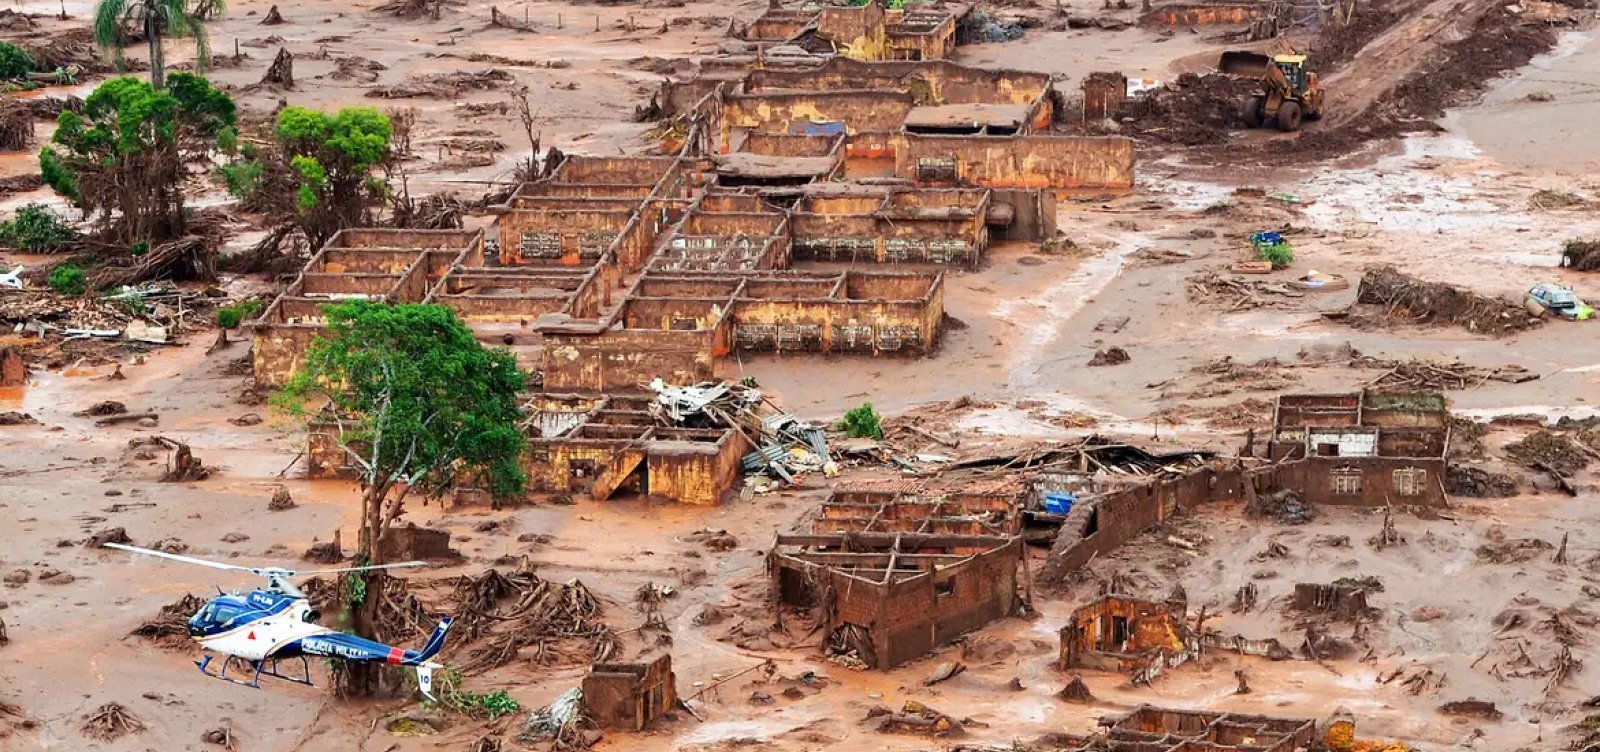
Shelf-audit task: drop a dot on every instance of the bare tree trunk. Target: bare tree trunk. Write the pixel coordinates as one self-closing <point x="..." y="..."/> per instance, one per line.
<point x="366" y="679"/>
<point x="158" y="63"/>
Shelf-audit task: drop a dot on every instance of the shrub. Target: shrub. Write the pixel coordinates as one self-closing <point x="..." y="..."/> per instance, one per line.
<point x="35" y="229"/>
<point x="68" y="279"/>
<point x="14" y="63"/>
<point x="862" y="423"/>
<point x="1280" y="254"/>
<point x="230" y="316"/>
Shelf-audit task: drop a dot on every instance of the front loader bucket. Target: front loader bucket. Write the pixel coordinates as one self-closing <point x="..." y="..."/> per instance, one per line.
<point x="1240" y="63"/>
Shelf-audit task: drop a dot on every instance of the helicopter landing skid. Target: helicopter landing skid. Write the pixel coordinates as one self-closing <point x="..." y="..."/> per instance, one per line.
<point x="256" y="669"/>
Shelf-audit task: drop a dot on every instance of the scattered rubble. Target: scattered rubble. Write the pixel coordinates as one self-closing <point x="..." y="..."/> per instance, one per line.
<point x="1111" y="356"/>
<point x="915" y="719"/>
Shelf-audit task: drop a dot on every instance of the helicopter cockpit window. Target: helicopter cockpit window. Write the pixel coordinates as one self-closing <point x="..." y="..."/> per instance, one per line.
<point x="224" y="614"/>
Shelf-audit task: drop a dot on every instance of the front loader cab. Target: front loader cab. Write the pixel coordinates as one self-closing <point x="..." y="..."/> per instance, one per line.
<point x="1293" y="68"/>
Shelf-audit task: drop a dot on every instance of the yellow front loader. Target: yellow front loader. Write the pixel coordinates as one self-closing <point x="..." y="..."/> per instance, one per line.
<point x="1289" y="94"/>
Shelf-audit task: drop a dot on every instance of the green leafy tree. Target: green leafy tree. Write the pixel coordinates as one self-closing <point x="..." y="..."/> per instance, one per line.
<point x="319" y="169"/>
<point x="14" y="62"/>
<point x="157" y="20"/>
<point x="122" y="159"/>
<point x="416" y="404"/>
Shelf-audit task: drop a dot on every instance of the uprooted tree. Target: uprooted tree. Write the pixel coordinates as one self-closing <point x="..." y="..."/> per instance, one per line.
<point x="416" y="404"/>
<point x="122" y="160"/>
<point x="317" y="170"/>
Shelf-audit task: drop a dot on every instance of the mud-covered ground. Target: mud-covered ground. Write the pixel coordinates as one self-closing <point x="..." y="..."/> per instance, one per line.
<point x="1464" y="597"/>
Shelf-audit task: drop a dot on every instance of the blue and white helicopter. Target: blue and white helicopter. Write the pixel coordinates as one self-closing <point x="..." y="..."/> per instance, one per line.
<point x="270" y="624"/>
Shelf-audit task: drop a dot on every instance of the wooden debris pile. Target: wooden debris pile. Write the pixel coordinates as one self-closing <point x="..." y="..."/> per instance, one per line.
<point x="444" y="85"/>
<point x="169" y="630"/>
<point x="1420" y="374"/>
<point x="111" y="721"/>
<point x="1237" y="294"/>
<point x="16" y="125"/>
<point x="560" y="622"/>
<point x="1581" y="255"/>
<point x="1395" y="297"/>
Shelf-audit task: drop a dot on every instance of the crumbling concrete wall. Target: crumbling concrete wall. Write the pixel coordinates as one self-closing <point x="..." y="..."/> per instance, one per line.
<point x="695" y="472"/>
<point x="630" y="696"/>
<point x="1111" y="634"/>
<point x="1070" y="164"/>
<point x="923" y="612"/>
<point x="1206" y="14"/>
<point x="623" y="359"/>
<point x="325" y="456"/>
<point x="1101" y="525"/>
<point x="279" y="351"/>
<point x="1104" y="95"/>
<point x="860" y="28"/>
<point x="1373" y="481"/>
<point x="813" y="112"/>
<point x="410" y="543"/>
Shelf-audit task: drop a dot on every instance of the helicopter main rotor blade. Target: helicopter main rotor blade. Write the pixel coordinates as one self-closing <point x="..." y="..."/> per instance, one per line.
<point x="400" y="565"/>
<point x="176" y="557"/>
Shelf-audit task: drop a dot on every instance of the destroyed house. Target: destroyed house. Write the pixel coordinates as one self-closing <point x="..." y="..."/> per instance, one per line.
<point x="630" y="696"/>
<point x="1364" y="448"/>
<point x="1127" y="635"/>
<point x="1152" y="729"/>
<point x="614" y="271"/>
<point x="398" y="266"/>
<point x="889" y="586"/>
<point x="1144" y="638"/>
<point x="605" y="445"/>
<point x="869" y="30"/>
<point x="934" y="123"/>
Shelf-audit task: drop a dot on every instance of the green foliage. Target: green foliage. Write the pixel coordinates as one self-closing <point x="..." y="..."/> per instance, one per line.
<point x="68" y="279"/>
<point x="122" y="157"/>
<point x="332" y="152"/>
<point x="493" y="705"/>
<point x="1280" y="254"/>
<point x="313" y="180"/>
<point x="14" y="63"/>
<point x="230" y="316"/>
<point x="241" y="178"/>
<point x="355" y="588"/>
<point x="139" y="249"/>
<point x="35" y="229"/>
<point x="58" y="176"/>
<point x="862" y="423"/>
<point x="423" y="401"/>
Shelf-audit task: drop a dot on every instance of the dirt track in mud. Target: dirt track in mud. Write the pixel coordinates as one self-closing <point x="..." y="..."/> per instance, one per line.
<point x="1444" y="208"/>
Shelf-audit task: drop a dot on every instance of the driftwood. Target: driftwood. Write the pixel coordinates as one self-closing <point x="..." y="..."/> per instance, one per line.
<point x="124" y="418"/>
<point x="273" y="17"/>
<point x="184" y="466"/>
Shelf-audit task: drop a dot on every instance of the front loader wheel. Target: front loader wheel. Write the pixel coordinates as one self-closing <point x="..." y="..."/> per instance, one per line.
<point x="1252" y="111"/>
<point x="1289" y="116"/>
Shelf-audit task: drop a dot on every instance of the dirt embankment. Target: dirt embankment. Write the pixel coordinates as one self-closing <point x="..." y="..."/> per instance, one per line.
<point x="1392" y="69"/>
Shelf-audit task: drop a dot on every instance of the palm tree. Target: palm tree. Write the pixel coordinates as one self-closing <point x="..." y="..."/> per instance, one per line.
<point x="158" y="19"/>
